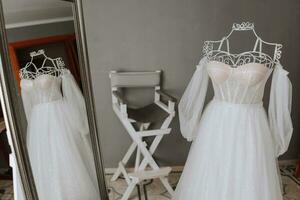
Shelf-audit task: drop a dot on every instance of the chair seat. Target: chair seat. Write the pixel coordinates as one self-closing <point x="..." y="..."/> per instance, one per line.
<point x="151" y="113"/>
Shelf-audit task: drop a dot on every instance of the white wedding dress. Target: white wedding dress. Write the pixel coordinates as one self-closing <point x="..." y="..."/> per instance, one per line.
<point x="235" y="145"/>
<point x="58" y="138"/>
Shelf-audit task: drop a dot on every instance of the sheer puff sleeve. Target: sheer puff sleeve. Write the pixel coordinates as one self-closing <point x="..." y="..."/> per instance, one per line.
<point x="73" y="96"/>
<point x="191" y="104"/>
<point x="26" y="98"/>
<point x="279" y="110"/>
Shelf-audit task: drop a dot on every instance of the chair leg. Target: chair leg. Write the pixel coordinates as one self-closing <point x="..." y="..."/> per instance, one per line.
<point x="144" y="163"/>
<point x="124" y="161"/>
<point x="141" y="145"/>
<point x="129" y="190"/>
<point x="137" y="159"/>
<point x="147" y="154"/>
<point x="153" y="164"/>
<point x="144" y="126"/>
<point x="156" y="142"/>
<point x="167" y="185"/>
<point x="152" y="149"/>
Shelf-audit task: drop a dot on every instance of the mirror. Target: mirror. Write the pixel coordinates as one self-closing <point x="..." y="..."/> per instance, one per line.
<point x="48" y="102"/>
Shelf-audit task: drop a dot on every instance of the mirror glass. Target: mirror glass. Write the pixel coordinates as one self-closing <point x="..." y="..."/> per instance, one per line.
<point x="43" y="52"/>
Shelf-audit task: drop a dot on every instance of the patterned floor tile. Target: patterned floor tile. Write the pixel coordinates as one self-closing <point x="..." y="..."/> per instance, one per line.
<point x="154" y="190"/>
<point x="6" y="190"/>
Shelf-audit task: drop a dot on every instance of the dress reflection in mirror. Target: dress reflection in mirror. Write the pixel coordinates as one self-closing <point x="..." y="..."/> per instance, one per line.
<point x="57" y="137"/>
<point x="235" y="145"/>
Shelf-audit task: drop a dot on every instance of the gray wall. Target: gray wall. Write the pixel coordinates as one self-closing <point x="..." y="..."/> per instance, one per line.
<point x="39" y="31"/>
<point x="168" y="35"/>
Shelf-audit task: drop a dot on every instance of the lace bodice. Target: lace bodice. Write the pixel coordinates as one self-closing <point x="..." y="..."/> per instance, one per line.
<point x="240" y="85"/>
<point x="45" y="88"/>
<point x="243" y="84"/>
<point x="238" y="78"/>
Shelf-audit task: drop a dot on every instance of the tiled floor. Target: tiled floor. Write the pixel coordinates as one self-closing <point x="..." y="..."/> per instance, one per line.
<point x="155" y="191"/>
<point x="6" y="190"/>
<point x="291" y="184"/>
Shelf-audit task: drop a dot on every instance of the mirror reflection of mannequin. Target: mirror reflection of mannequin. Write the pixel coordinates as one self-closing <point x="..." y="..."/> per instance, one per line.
<point x="57" y="140"/>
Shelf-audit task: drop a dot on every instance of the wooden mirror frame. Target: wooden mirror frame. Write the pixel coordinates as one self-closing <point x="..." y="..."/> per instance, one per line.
<point x="14" y="113"/>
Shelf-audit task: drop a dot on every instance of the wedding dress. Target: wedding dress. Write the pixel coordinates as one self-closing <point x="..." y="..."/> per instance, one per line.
<point x="235" y="144"/>
<point x="58" y="138"/>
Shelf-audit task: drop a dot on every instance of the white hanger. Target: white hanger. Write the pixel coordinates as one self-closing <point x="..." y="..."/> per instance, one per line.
<point x="54" y="70"/>
<point x="245" y="26"/>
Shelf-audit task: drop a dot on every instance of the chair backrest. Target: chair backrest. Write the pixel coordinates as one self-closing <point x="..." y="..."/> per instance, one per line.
<point x="134" y="79"/>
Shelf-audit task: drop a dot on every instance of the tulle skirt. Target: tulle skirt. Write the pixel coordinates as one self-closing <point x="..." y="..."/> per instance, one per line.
<point x="60" y="156"/>
<point x="232" y="158"/>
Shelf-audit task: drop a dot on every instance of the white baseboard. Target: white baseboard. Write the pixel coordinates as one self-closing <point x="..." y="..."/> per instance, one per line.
<point x="109" y="171"/>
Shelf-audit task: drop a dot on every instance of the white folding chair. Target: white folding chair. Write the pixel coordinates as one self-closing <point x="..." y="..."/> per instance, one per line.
<point x="139" y="124"/>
